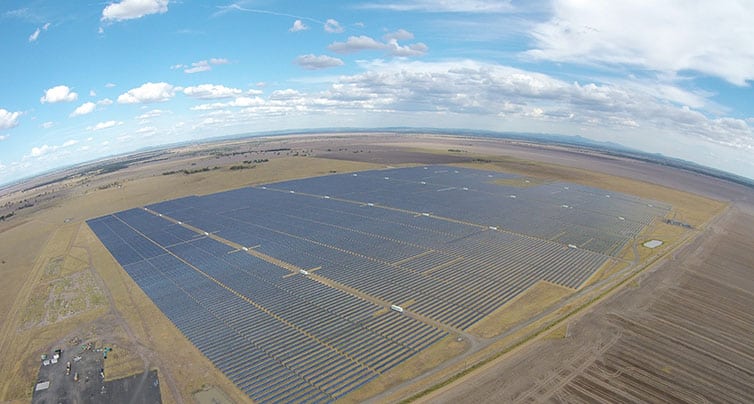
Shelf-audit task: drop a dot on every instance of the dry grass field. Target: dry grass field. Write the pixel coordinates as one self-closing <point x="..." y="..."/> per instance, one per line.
<point x="526" y="305"/>
<point x="60" y="282"/>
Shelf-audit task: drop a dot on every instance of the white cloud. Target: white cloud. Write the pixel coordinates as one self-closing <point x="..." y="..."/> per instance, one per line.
<point x="332" y="26"/>
<point x="105" y="101"/>
<point x="105" y="125"/>
<point x="246" y="102"/>
<point x="92" y="93"/>
<point x="35" y="35"/>
<point x="669" y="36"/>
<point x="298" y="25"/>
<point x="148" y="92"/>
<point x="210" y="91"/>
<point x="69" y="143"/>
<point x="201" y="66"/>
<point x="444" y="6"/>
<point x="151" y="114"/>
<point x="355" y="44"/>
<point x="361" y="43"/>
<point x="197" y="67"/>
<point x="110" y="85"/>
<point x="496" y="96"/>
<point x="316" y="62"/>
<point x="146" y="130"/>
<point x="8" y="119"/>
<point x="3" y="137"/>
<point x="400" y="35"/>
<point x="131" y="9"/>
<point x="238" y="102"/>
<point x="41" y="150"/>
<point x="288" y="93"/>
<point x="84" y="109"/>
<point x="58" y="94"/>
<point x="414" y="49"/>
<point x="47" y="125"/>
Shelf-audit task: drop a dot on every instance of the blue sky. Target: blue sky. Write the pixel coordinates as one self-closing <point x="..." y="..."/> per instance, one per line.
<point x="83" y="80"/>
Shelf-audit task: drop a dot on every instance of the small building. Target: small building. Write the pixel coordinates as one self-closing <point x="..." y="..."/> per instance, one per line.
<point x="42" y="386"/>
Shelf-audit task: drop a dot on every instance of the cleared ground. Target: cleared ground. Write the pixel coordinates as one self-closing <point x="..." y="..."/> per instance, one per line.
<point x="37" y="236"/>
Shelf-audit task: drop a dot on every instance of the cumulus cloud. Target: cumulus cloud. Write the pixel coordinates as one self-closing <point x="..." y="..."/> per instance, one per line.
<point x="495" y="94"/>
<point x="362" y="42"/>
<point x="316" y="62"/>
<point x="148" y="92"/>
<point x="333" y="26"/>
<point x="58" y="94"/>
<point x="400" y="35"/>
<point x="444" y="6"/>
<point x="298" y="25"/>
<point x="356" y="44"/>
<point x="8" y="119"/>
<point x="35" y="35"/>
<point x="132" y="9"/>
<point x="105" y="125"/>
<point x="246" y="102"/>
<point x="209" y="91"/>
<point x="84" y="109"/>
<point x="414" y="49"/>
<point x="41" y="150"/>
<point x="51" y="152"/>
<point x="666" y="36"/>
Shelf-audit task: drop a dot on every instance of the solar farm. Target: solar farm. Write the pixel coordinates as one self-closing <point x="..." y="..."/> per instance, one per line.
<point x="287" y="287"/>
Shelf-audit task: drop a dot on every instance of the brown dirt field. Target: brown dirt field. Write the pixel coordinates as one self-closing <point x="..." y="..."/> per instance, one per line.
<point x="681" y="334"/>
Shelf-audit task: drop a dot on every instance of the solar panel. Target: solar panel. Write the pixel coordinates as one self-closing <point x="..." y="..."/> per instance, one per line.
<point x="450" y="241"/>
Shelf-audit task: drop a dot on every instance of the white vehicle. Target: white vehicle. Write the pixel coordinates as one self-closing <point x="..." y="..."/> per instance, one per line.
<point x="397" y="308"/>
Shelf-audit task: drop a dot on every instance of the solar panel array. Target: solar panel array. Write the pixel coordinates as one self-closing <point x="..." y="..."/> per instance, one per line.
<point x="448" y="243"/>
